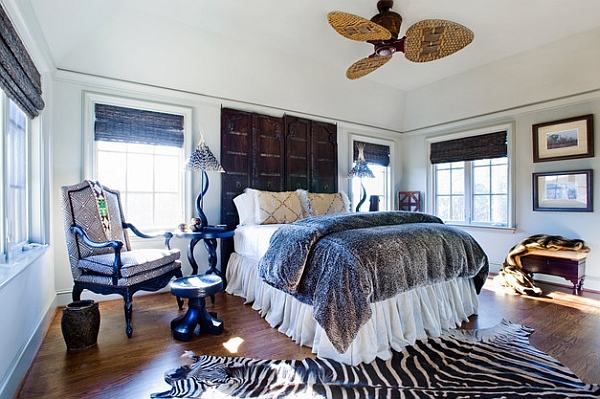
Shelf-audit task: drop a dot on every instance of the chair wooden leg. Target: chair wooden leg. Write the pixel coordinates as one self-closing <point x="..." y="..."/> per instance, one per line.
<point x="128" y="311"/>
<point x="180" y="303"/>
<point x="77" y="290"/>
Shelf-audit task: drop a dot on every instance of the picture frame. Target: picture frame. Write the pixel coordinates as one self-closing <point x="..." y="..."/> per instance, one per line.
<point x="563" y="139"/>
<point x="569" y="191"/>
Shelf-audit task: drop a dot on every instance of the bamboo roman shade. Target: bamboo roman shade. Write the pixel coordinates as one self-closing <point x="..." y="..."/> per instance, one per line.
<point x="374" y="153"/>
<point x="136" y="126"/>
<point x="485" y="146"/>
<point x="19" y="78"/>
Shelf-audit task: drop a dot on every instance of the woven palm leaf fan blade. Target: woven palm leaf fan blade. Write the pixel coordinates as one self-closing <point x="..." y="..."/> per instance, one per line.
<point x="366" y="65"/>
<point x="432" y="39"/>
<point x="357" y="28"/>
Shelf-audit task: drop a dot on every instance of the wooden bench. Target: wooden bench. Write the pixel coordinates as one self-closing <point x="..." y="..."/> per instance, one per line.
<point x="569" y="265"/>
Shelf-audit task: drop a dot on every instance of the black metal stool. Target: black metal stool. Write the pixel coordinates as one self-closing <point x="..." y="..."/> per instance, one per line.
<point x="196" y="288"/>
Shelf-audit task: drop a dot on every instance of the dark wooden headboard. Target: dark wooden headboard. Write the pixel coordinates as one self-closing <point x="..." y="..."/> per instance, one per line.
<point x="275" y="154"/>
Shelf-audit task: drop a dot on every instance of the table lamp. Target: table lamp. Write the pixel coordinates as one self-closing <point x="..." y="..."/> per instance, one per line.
<point x="360" y="170"/>
<point x="203" y="159"/>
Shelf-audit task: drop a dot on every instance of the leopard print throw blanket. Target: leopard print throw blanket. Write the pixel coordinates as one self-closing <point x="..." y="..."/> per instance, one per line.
<point x="512" y="274"/>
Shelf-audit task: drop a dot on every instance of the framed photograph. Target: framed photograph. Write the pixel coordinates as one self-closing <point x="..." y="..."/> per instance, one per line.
<point x="564" y="139"/>
<point x="563" y="191"/>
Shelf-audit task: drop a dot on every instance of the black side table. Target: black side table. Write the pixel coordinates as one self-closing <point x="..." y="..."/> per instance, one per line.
<point x="209" y="235"/>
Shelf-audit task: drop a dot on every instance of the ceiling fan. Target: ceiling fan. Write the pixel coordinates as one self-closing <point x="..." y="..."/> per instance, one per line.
<point x="424" y="41"/>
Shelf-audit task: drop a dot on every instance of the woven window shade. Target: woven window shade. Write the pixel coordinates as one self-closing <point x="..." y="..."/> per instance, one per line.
<point x="129" y="125"/>
<point x="19" y="78"/>
<point x="485" y="146"/>
<point x="374" y="153"/>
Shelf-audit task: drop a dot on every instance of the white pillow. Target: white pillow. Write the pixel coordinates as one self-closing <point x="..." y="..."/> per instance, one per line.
<point x="304" y="203"/>
<point x="245" y="204"/>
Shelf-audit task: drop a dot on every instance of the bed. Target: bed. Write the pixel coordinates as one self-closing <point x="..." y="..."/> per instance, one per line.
<point x="352" y="286"/>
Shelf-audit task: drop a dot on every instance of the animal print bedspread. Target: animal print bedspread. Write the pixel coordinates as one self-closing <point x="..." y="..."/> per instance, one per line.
<point x="341" y="263"/>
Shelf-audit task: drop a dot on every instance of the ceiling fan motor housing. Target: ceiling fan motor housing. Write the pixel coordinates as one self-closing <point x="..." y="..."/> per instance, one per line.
<point x="390" y="20"/>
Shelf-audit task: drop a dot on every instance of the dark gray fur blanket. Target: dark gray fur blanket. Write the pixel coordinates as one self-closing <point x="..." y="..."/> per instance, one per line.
<point x="341" y="263"/>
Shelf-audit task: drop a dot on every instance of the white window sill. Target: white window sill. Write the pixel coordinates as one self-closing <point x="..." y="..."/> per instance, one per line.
<point x="483" y="227"/>
<point x="9" y="270"/>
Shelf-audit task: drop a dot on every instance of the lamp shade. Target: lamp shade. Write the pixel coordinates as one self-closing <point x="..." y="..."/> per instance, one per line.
<point x="361" y="169"/>
<point x="202" y="158"/>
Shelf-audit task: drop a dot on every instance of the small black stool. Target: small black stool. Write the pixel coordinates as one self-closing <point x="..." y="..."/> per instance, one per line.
<point x="196" y="288"/>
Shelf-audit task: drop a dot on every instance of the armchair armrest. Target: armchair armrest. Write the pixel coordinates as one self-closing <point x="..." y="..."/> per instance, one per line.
<point x="166" y="234"/>
<point x="116" y="245"/>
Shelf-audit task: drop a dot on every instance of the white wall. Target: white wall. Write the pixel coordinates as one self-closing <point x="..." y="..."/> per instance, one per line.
<point x="28" y="307"/>
<point x="558" y="70"/>
<point x="27" y="291"/>
<point x="68" y="152"/>
<point x="544" y="85"/>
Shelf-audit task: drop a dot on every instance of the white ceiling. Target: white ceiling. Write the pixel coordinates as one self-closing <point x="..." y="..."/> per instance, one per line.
<point x="299" y="27"/>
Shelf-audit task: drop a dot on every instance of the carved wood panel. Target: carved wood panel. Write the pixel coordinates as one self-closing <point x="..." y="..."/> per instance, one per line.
<point x="274" y="154"/>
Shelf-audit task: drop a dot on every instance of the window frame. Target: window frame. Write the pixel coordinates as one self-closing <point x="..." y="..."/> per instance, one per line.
<point x="36" y="200"/>
<point x="89" y="153"/>
<point x="431" y="177"/>
<point x="390" y="199"/>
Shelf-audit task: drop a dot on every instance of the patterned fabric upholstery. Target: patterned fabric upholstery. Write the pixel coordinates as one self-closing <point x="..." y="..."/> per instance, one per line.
<point x="325" y="204"/>
<point x="134" y="262"/>
<point x="278" y="207"/>
<point x="79" y="208"/>
<point x="130" y="281"/>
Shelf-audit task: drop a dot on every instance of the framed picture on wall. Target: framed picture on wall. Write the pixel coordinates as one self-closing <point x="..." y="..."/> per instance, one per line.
<point x="563" y="191"/>
<point x="563" y="139"/>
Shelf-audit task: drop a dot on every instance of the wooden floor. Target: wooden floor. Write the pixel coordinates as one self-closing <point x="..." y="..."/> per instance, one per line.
<point x="566" y="326"/>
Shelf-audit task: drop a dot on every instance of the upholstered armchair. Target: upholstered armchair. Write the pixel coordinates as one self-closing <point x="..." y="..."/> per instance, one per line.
<point x="100" y="253"/>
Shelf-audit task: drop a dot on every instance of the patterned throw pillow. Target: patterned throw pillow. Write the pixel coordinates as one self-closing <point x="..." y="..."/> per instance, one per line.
<point x="324" y="204"/>
<point x="277" y="207"/>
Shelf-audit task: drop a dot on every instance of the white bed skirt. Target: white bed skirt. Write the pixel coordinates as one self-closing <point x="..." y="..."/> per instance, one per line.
<point x="397" y="322"/>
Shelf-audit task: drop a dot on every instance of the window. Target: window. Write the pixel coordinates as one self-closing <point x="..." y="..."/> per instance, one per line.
<point x="20" y="102"/>
<point x="138" y="149"/>
<point x="471" y="179"/>
<point x="377" y="156"/>
<point x="149" y="178"/>
<point x="16" y="206"/>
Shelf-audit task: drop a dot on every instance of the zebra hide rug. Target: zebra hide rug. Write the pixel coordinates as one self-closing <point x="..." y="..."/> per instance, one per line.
<point x="497" y="362"/>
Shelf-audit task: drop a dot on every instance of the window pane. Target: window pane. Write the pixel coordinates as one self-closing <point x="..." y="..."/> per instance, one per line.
<point x="140" y="172"/>
<point x="458" y="208"/>
<point x="443" y="207"/>
<point x="458" y="181"/>
<point x="140" y="210"/>
<point x="443" y="182"/>
<point x="500" y="179"/>
<point x="166" y="212"/>
<point x="481" y="208"/>
<point x="111" y="169"/>
<point x="16" y="177"/>
<point x="481" y="180"/>
<point x="500" y="209"/>
<point x="163" y="174"/>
